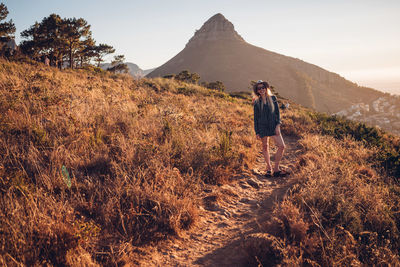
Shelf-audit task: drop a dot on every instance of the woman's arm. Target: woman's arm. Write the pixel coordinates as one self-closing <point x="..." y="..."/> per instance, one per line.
<point x="277" y="113"/>
<point x="256" y="117"/>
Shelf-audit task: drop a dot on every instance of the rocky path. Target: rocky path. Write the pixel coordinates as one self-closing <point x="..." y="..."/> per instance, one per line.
<point x="229" y="214"/>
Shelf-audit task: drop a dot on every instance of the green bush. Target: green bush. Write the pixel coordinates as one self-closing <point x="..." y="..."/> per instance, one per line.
<point x="186" y="91"/>
<point x="186" y="76"/>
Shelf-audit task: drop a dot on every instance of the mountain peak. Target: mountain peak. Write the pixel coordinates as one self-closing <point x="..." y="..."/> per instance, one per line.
<point x="215" y="28"/>
<point x="217" y="17"/>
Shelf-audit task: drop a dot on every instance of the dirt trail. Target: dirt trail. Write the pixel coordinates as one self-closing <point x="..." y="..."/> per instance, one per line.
<point x="230" y="213"/>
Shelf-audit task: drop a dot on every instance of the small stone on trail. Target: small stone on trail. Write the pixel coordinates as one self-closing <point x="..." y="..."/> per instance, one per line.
<point x="253" y="183"/>
<point x="222" y="225"/>
<point x="249" y="201"/>
<point x="213" y="207"/>
<point x="244" y="200"/>
<point x="209" y="199"/>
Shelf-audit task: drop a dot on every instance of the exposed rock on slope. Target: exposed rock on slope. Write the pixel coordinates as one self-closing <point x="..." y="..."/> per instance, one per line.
<point x="216" y="28"/>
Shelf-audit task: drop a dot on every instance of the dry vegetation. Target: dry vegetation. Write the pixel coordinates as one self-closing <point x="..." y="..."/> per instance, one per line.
<point x="343" y="210"/>
<point x="93" y="164"/>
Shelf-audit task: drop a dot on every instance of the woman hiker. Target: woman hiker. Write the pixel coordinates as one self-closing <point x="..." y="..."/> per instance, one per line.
<point x="267" y="123"/>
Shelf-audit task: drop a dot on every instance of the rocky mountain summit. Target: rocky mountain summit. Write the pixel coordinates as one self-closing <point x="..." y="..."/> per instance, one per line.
<point x="216" y="28"/>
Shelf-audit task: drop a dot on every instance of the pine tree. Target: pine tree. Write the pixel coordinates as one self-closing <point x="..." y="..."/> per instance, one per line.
<point x="74" y="33"/>
<point x="101" y="51"/>
<point x="63" y="39"/>
<point x="118" y="65"/>
<point x="7" y="29"/>
<point x="87" y="51"/>
<point x="45" y="39"/>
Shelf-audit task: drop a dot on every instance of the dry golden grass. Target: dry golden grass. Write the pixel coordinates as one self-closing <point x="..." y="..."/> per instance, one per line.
<point x="137" y="152"/>
<point x="341" y="212"/>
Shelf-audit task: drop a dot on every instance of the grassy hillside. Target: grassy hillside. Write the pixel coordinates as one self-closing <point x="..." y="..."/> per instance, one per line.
<point x="344" y="206"/>
<point x="93" y="165"/>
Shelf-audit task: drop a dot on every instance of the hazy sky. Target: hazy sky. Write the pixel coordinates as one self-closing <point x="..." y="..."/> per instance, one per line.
<point x="359" y="40"/>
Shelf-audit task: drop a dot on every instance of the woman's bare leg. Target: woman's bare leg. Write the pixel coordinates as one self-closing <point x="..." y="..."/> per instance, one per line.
<point x="281" y="147"/>
<point x="265" y="150"/>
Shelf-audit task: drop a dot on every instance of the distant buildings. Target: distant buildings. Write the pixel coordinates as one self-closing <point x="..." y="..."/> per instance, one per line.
<point x="383" y="112"/>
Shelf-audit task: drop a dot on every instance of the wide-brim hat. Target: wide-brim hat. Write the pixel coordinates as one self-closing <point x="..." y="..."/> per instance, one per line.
<point x="262" y="82"/>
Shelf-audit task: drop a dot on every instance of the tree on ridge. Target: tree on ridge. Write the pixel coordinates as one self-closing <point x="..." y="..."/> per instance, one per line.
<point x="118" y="65"/>
<point x="68" y="39"/>
<point x="75" y="32"/>
<point x="45" y="39"/>
<point x="101" y="51"/>
<point x="7" y="28"/>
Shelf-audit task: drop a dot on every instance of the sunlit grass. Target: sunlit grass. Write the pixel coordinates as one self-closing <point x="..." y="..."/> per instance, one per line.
<point x="137" y="153"/>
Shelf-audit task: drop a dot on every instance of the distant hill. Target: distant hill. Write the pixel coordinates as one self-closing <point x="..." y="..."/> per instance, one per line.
<point x="145" y="72"/>
<point x="134" y="69"/>
<point x="218" y="52"/>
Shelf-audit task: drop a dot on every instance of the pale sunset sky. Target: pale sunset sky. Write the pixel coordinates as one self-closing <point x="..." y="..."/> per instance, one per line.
<point x="358" y="39"/>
